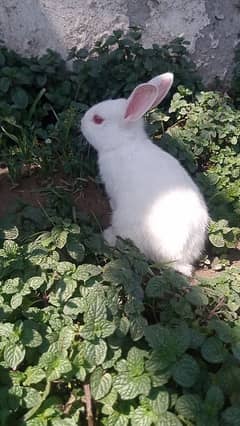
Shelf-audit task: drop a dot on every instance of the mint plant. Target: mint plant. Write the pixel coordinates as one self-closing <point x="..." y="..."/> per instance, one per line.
<point x="100" y="336"/>
<point x="73" y="319"/>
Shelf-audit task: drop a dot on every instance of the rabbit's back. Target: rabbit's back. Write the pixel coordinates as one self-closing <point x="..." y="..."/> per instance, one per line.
<point x="143" y="173"/>
<point x="155" y="203"/>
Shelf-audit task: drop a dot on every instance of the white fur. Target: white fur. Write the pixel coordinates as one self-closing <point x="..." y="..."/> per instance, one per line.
<point x="155" y="203"/>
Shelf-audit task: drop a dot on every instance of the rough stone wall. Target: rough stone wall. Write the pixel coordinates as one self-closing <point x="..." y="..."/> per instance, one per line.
<point x="211" y="26"/>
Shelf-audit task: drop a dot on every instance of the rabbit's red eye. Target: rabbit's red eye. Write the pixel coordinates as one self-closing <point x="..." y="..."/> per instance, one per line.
<point x="97" y="119"/>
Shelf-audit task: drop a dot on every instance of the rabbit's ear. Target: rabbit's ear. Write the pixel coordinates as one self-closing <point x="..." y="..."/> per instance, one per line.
<point x="140" y="101"/>
<point x="163" y="83"/>
<point x="147" y="96"/>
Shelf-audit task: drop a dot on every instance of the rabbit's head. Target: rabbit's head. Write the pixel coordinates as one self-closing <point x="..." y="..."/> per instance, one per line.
<point x="112" y="123"/>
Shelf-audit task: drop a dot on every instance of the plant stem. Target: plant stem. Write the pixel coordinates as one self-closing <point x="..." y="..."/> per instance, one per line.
<point x="33" y="410"/>
<point x="88" y="402"/>
<point x="213" y="312"/>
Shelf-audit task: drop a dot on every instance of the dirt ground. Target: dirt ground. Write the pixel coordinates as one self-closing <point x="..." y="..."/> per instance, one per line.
<point x="32" y="190"/>
<point x="89" y="199"/>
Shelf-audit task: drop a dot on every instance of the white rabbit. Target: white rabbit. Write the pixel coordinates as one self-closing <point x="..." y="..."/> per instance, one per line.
<point x="154" y="201"/>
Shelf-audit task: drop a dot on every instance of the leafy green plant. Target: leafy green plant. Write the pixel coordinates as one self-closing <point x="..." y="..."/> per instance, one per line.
<point x="221" y="235"/>
<point x="42" y="99"/>
<point x="93" y="335"/>
<point x="89" y="331"/>
<point x="120" y="62"/>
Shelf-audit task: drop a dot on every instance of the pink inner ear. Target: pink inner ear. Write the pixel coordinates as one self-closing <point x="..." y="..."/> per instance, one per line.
<point x="140" y="101"/>
<point x="163" y="83"/>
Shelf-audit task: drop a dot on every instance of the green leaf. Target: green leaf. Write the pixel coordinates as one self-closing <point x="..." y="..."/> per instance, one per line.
<point x="35" y="282"/>
<point x="10" y="247"/>
<point x="32" y="397"/>
<point x="197" y="297"/>
<point x="64" y="289"/>
<point x="75" y="249"/>
<point x="6" y="329"/>
<point x="30" y="336"/>
<point x="11" y="286"/>
<point x="217" y="239"/>
<point x="160" y="361"/>
<point x="89" y="331"/>
<point x="156" y="335"/>
<point x="168" y="419"/>
<point x="155" y="287"/>
<point x="66" y="338"/>
<point x="16" y="301"/>
<point x="142" y="417"/>
<point x="65" y="267"/>
<point x="96" y="352"/>
<point x="112" y="359"/>
<point x="197" y="338"/>
<point x="135" y="362"/>
<point x="37" y="421"/>
<point x="96" y="311"/>
<point x="231" y="416"/>
<point x="186" y="371"/>
<point x="84" y="272"/>
<point x="97" y="328"/>
<point x="236" y="350"/>
<point x="213" y="350"/>
<point x="116" y="273"/>
<point x="215" y="398"/>
<point x="4" y="84"/>
<point x="19" y="97"/>
<point x="106" y="328"/>
<point x="60" y="238"/>
<point x="137" y="326"/>
<point x="34" y="375"/>
<point x="160" y="379"/>
<point x="182" y="336"/>
<point x="108" y="401"/>
<point x="59" y="421"/>
<point x="129" y="387"/>
<point x="10" y="233"/>
<point x="161" y="403"/>
<point x="13" y="355"/>
<point x="79" y="364"/>
<point x="117" y="419"/>
<point x="224" y="331"/>
<point x="81" y="374"/>
<point x="189" y="406"/>
<point x="100" y="383"/>
<point x="55" y="365"/>
<point x="74" y="306"/>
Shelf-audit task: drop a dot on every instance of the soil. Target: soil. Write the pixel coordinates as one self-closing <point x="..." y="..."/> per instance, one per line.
<point x="90" y="199"/>
<point x="33" y="190"/>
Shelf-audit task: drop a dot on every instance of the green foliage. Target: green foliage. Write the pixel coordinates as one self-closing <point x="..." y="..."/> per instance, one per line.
<point x="211" y="133"/>
<point x="117" y="64"/>
<point x="72" y="315"/>
<point x="42" y="99"/>
<point x="79" y="320"/>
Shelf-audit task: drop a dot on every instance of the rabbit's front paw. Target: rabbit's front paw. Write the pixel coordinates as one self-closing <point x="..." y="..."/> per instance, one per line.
<point x="184" y="269"/>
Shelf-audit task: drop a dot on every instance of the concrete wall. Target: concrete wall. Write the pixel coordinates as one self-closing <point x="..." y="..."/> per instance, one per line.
<point x="211" y="26"/>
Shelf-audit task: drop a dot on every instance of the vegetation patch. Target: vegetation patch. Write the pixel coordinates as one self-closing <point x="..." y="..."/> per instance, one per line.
<point x="99" y="336"/>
